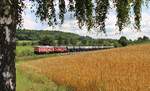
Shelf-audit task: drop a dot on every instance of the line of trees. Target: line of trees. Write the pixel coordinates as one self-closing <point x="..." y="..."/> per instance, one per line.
<point x="143" y="39"/>
<point x="77" y="41"/>
<point x="124" y="41"/>
<point x="57" y="38"/>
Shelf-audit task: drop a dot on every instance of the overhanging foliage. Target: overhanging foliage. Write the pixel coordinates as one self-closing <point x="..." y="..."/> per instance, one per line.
<point x="90" y="13"/>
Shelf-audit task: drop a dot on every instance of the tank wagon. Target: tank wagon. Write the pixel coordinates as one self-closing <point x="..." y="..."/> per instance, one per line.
<point x="64" y="49"/>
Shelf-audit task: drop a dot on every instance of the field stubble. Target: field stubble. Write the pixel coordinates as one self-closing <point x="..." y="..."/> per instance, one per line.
<point x="120" y="69"/>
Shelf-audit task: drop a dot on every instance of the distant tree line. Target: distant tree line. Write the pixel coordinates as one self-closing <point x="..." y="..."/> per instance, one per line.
<point x="57" y="38"/>
<point x="124" y="41"/>
<point x="143" y="39"/>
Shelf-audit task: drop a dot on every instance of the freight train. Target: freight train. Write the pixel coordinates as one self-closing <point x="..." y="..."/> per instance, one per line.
<point x="64" y="49"/>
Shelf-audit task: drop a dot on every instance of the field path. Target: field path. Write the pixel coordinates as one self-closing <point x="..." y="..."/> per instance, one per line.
<point x="120" y="69"/>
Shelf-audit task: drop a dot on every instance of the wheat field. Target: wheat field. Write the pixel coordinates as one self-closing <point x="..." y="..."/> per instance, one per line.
<point x="120" y="69"/>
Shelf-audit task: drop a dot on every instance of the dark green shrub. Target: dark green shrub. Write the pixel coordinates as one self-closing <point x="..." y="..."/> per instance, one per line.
<point x="123" y="41"/>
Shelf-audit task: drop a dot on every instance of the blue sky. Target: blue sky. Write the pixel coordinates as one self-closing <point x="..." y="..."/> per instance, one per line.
<point x="70" y="25"/>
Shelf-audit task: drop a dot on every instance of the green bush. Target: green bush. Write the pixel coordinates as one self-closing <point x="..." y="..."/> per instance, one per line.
<point x="123" y="41"/>
<point x="24" y="51"/>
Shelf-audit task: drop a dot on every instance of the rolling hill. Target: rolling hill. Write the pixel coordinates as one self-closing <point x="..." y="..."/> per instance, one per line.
<point x="38" y="34"/>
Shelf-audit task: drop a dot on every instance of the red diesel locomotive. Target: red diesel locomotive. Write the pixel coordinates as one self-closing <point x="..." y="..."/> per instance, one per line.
<point x="49" y="49"/>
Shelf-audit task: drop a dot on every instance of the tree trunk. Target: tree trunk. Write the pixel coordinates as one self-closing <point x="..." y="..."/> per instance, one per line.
<point x="7" y="46"/>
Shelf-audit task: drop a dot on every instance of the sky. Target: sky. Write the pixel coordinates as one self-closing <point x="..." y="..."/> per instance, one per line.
<point x="30" y="21"/>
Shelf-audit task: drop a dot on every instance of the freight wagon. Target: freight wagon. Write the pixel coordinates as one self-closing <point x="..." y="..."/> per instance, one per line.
<point x="63" y="49"/>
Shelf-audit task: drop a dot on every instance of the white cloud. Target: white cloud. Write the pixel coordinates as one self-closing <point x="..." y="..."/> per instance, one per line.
<point x="28" y="22"/>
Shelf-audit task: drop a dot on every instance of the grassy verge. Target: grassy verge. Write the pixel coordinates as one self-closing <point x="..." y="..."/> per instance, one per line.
<point x="34" y="57"/>
<point x="31" y="81"/>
